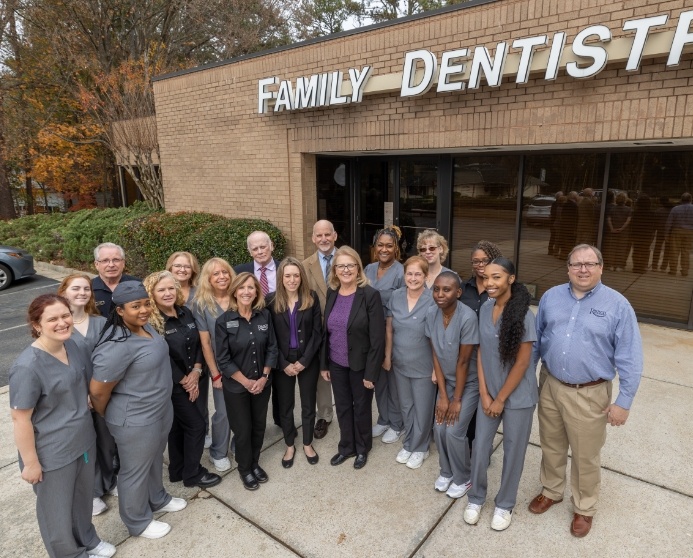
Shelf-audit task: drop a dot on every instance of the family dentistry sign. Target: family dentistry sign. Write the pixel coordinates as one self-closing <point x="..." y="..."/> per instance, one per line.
<point x="463" y="68"/>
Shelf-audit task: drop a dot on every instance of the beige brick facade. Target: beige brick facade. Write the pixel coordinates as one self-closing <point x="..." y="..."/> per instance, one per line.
<point x="219" y="155"/>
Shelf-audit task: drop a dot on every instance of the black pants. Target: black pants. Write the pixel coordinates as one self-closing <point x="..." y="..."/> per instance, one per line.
<point x="276" y="410"/>
<point x="285" y="388"/>
<point x="247" y="418"/>
<point x="353" y="402"/>
<point x="186" y="441"/>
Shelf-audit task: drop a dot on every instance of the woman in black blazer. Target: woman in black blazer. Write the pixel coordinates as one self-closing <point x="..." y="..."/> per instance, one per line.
<point x="298" y="328"/>
<point x="352" y="353"/>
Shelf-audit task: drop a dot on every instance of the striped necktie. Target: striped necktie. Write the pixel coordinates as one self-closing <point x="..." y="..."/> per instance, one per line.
<point x="328" y="265"/>
<point x="264" y="283"/>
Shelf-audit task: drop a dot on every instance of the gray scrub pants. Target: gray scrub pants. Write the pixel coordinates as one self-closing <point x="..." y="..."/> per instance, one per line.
<point x="140" y="481"/>
<point x="517" y="426"/>
<point x="451" y="441"/>
<point x="105" y="478"/>
<point x="221" y="431"/>
<point x="417" y="397"/>
<point x="387" y="399"/>
<point x="63" y="508"/>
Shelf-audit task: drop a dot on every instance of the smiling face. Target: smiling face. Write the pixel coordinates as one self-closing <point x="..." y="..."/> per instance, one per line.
<point x="385" y="249"/>
<point x="110" y="264"/>
<point x="291" y="279"/>
<point x="135" y="314"/>
<point x="165" y="293"/>
<point x="246" y="294"/>
<point x="182" y="269"/>
<point x="479" y="261"/>
<point x="414" y="277"/>
<point x="55" y="323"/>
<point x="497" y="281"/>
<point x="347" y="270"/>
<point x="324" y="237"/>
<point x="583" y="280"/>
<point x="446" y="291"/>
<point x="431" y="250"/>
<point x="78" y="293"/>
<point x="220" y="278"/>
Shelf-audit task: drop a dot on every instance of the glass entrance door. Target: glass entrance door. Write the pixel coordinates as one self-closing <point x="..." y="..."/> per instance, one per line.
<point x="375" y="193"/>
<point x="418" y="200"/>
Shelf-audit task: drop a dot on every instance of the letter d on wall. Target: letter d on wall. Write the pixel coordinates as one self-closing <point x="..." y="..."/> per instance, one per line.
<point x="409" y="75"/>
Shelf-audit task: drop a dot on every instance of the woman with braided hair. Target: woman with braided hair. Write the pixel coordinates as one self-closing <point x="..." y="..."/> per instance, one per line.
<point x="386" y="274"/>
<point x="507" y="388"/>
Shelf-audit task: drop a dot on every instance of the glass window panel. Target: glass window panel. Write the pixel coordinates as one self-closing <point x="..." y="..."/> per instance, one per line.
<point x="334" y="203"/>
<point x="376" y="188"/>
<point x="484" y="206"/>
<point x="642" y="259"/>
<point x="418" y="199"/>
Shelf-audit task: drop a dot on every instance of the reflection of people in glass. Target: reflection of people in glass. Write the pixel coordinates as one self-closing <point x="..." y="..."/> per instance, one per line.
<point x="587" y="218"/>
<point x="434" y="248"/>
<point x="661" y="246"/>
<point x="567" y="223"/>
<point x="618" y="228"/>
<point x="553" y="220"/>
<point x="642" y="233"/>
<point x="679" y="231"/>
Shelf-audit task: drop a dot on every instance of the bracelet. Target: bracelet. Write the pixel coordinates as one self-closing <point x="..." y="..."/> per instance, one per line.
<point x="198" y="370"/>
<point x="459" y="399"/>
<point x="215" y="378"/>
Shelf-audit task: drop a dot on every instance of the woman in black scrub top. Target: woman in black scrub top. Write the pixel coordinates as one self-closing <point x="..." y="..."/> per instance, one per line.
<point x="53" y="430"/>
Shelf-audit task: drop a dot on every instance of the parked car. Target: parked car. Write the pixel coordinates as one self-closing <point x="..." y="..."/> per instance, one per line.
<point x="15" y="263"/>
<point x="539" y="210"/>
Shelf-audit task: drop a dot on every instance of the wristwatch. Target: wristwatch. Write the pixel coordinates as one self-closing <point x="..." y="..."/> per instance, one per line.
<point x="265" y="376"/>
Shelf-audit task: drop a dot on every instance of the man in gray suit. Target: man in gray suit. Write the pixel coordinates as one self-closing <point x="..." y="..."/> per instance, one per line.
<point x="317" y="267"/>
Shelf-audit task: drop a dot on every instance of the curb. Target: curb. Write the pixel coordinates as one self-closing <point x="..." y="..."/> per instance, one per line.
<point x="46" y="267"/>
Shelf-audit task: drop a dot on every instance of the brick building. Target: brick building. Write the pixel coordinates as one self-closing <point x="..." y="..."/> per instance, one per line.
<point x="471" y="120"/>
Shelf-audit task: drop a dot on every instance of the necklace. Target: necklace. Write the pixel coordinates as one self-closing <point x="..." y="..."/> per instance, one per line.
<point x="388" y="267"/>
<point x="446" y="318"/>
<point x="75" y="322"/>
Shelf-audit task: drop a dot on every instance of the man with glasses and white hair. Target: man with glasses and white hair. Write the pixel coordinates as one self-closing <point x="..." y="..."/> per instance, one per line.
<point x="109" y="260"/>
<point x="586" y="334"/>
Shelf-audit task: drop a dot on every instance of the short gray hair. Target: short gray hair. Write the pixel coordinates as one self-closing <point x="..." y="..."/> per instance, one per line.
<point x="262" y="234"/>
<point x="594" y="249"/>
<point x="107" y="245"/>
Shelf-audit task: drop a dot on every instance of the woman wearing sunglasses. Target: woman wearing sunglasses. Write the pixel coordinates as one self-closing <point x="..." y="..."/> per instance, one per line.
<point x="434" y="248"/>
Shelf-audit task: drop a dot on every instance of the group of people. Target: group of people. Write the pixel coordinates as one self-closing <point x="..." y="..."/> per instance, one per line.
<point x="656" y="238"/>
<point x="446" y="359"/>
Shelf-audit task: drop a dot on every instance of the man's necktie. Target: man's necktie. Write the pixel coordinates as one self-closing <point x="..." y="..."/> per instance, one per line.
<point x="264" y="283"/>
<point x="328" y="265"/>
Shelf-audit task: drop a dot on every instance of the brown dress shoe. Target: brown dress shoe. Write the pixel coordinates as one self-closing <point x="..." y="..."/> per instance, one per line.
<point x="541" y="503"/>
<point x="580" y="525"/>
<point x="321" y="429"/>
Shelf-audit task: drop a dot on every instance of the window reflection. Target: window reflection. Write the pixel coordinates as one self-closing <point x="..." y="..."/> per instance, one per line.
<point x="334" y="203"/>
<point x="418" y="199"/>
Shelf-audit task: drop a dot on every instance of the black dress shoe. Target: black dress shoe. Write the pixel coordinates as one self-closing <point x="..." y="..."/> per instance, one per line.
<point x="321" y="428"/>
<point x="314" y="459"/>
<point x="208" y="480"/>
<point x="259" y="474"/>
<point x="288" y="463"/>
<point x="249" y="481"/>
<point x="360" y="460"/>
<point x="338" y="459"/>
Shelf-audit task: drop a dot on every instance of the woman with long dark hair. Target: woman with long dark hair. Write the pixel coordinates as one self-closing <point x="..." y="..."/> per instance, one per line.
<point x="297" y="325"/>
<point x="507" y="388"/>
<point x="131" y="387"/>
<point x="53" y="430"/>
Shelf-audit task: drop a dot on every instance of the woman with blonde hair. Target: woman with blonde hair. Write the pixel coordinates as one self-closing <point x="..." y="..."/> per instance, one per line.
<point x="353" y="320"/>
<point x="212" y="299"/>
<point x="176" y="324"/>
<point x="88" y="323"/>
<point x="246" y="353"/>
<point x="434" y="248"/>
<point x="297" y="324"/>
<point x="186" y="269"/>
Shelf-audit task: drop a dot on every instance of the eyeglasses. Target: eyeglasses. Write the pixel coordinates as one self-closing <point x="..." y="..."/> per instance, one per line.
<point x="587" y="265"/>
<point x="477" y="263"/>
<point x="424" y="249"/>
<point x="342" y="267"/>
<point x="181" y="266"/>
<point x="115" y="261"/>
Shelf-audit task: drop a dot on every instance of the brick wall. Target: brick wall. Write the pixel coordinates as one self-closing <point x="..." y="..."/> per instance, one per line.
<point x="219" y="155"/>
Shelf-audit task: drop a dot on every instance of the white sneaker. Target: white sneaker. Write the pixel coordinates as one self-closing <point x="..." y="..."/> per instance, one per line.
<point x="176" y="504"/>
<point x="114" y="492"/>
<point x="501" y="519"/>
<point x="472" y="513"/>
<point x="403" y="456"/>
<point x="103" y="550"/>
<point x="379" y="430"/>
<point x="208" y="442"/>
<point x="156" y="530"/>
<point x="391" y="436"/>
<point x="221" y="465"/>
<point x="442" y="484"/>
<point x="98" y="507"/>
<point x="417" y="459"/>
<point x="458" y="490"/>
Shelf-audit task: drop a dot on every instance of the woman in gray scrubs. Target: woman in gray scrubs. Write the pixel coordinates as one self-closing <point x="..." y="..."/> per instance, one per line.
<point x="433" y="247"/>
<point x="507" y="386"/>
<point x="186" y="270"/>
<point x="386" y="275"/>
<point x="53" y="430"/>
<point x="408" y="350"/>
<point x="131" y="386"/>
<point x="88" y="323"/>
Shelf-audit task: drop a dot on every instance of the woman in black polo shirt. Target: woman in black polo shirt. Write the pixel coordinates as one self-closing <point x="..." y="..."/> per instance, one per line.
<point x="246" y="351"/>
<point x="176" y="323"/>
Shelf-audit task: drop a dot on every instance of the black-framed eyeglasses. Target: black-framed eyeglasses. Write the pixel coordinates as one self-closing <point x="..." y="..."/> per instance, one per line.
<point x="477" y="263"/>
<point x="587" y="265"/>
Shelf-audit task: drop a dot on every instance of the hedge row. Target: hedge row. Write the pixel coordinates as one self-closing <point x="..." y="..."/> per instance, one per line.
<point x="148" y="236"/>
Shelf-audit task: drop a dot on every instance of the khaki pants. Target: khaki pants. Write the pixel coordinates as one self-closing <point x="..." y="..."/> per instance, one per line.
<point x="572" y="417"/>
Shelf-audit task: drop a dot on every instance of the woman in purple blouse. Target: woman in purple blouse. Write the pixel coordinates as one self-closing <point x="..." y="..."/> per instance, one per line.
<point x="352" y="352"/>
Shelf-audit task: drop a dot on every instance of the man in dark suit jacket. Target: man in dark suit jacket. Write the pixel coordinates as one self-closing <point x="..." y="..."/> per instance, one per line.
<point x="260" y="248"/>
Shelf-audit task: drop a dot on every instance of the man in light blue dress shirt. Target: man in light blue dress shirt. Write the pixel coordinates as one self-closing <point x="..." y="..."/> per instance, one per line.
<point x="586" y="334"/>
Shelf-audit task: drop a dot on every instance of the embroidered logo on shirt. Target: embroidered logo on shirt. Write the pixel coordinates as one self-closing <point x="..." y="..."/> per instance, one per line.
<point x="191" y="326"/>
<point x="232" y="324"/>
<point x="262" y="327"/>
<point x="598" y="313"/>
<point x="100" y="302"/>
<point x="170" y="331"/>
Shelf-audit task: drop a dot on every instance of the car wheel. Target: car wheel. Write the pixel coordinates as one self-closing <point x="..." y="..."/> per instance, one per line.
<point x="5" y="277"/>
